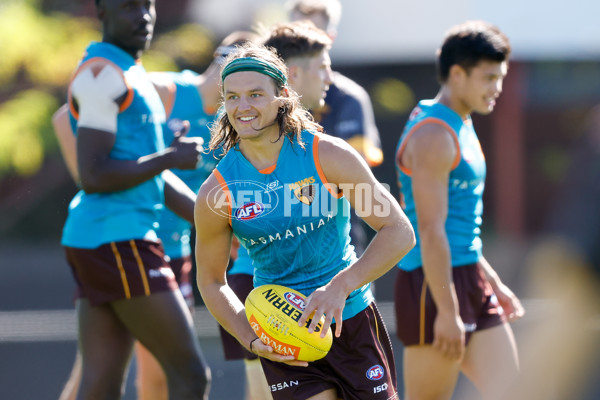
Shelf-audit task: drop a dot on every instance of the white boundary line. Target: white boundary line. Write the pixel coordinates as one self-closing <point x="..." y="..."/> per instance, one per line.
<point x="61" y="325"/>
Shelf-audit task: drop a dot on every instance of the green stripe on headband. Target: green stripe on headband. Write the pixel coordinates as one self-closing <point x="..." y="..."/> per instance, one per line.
<point x="256" y="65"/>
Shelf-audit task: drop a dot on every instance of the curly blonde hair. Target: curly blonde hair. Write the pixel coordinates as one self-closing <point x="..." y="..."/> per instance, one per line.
<point x="292" y="118"/>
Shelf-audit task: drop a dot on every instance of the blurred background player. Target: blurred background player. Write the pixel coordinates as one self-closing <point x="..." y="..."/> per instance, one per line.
<point x="187" y="96"/>
<point x="451" y="306"/>
<point x="305" y="50"/>
<point x="125" y="287"/>
<point x="347" y="112"/>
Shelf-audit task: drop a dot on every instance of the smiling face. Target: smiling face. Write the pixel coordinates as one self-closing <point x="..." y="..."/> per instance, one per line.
<point x="128" y="24"/>
<point x="251" y="104"/>
<point x="310" y="78"/>
<point x="477" y="90"/>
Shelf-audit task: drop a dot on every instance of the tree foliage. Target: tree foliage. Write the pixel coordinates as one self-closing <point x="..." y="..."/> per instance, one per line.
<point x="38" y="54"/>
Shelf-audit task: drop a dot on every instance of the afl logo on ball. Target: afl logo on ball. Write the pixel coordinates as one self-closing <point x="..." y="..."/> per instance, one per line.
<point x="295" y="300"/>
<point x="249" y="211"/>
<point x="375" y="373"/>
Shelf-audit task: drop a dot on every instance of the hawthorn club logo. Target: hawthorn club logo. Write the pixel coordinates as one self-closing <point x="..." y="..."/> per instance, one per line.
<point x="306" y="194"/>
<point x="304" y="190"/>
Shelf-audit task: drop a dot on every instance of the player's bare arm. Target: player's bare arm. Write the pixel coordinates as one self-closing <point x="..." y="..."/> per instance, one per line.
<point x="346" y="169"/>
<point x="430" y="154"/>
<point x="510" y="303"/>
<point x="178" y="196"/>
<point x="98" y="95"/>
<point x="165" y="88"/>
<point x="66" y="140"/>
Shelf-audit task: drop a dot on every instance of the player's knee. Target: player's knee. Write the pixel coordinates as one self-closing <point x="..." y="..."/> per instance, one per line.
<point x="101" y="389"/>
<point x="202" y="378"/>
<point x="200" y="381"/>
<point x="192" y="377"/>
<point x="148" y="386"/>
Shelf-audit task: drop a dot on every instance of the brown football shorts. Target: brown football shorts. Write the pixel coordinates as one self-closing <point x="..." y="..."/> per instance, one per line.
<point x="360" y="365"/>
<point x="182" y="268"/>
<point x="416" y="310"/>
<point x="120" y="270"/>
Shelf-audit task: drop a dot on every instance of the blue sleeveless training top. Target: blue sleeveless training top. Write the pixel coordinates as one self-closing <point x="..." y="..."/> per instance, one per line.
<point x="187" y="105"/>
<point x="99" y="218"/>
<point x="295" y="230"/>
<point x="465" y="186"/>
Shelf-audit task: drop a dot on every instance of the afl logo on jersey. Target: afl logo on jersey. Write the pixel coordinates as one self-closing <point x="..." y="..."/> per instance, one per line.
<point x="375" y="373"/>
<point x="249" y="211"/>
<point x="242" y="200"/>
<point x="295" y="300"/>
<point x="306" y="194"/>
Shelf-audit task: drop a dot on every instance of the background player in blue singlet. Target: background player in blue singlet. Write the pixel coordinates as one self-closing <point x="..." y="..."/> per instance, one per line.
<point x="284" y="191"/>
<point x="190" y="97"/>
<point x="347" y="112"/>
<point x="126" y="288"/>
<point x="451" y="306"/>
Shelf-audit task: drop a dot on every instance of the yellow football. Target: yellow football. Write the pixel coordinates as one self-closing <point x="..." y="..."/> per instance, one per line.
<point x="273" y="312"/>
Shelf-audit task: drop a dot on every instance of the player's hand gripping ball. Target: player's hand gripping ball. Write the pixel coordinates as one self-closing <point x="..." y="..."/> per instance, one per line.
<point x="273" y="312"/>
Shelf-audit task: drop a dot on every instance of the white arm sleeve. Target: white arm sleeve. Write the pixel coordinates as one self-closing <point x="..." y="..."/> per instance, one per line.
<point x="96" y="89"/>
